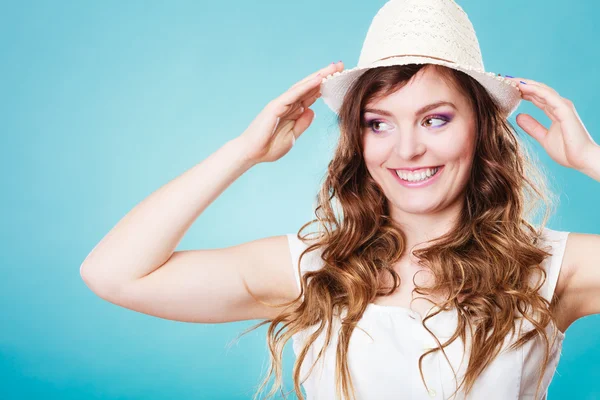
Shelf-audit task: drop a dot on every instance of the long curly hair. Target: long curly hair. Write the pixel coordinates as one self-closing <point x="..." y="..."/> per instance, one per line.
<point x="482" y="267"/>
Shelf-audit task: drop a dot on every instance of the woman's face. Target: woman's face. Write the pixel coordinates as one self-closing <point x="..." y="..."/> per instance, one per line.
<point x="401" y="135"/>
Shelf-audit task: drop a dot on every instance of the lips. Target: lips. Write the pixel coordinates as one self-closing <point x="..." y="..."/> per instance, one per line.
<point x="414" y="169"/>
<point x="418" y="184"/>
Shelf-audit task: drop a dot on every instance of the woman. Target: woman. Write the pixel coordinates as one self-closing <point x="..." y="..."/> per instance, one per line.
<point x="456" y="232"/>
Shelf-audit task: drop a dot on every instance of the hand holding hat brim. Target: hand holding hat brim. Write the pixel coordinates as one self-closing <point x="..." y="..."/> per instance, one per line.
<point x="275" y="129"/>
<point x="567" y="141"/>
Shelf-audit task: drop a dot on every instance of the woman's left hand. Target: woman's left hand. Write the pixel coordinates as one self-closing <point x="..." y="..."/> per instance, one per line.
<point x="567" y="141"/>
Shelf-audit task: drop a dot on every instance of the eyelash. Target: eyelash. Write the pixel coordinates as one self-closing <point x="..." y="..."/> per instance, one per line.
<point x="369" y="124"/>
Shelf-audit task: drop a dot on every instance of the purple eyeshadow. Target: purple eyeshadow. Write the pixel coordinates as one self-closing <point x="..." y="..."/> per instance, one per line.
<point x="447" y="117"/>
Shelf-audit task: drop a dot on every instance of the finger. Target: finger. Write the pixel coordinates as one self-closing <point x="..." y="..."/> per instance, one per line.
<point x="532" y="127"/>
<point x="555" y="103"/>
<point x="529" y="84"/>
<point x="535" y="100"/>
<point x="311" y="97"/>
<point x="542" y="105"/>
<point x="309" y="102"/>
<point x="330" y="69"/>
<point x="296" y="113"/>
<point x="311" y="93"/>
<point x="303" y="122"/>
<point x="295" y="94"/>
<point x="302" y="105"/>
<point x="306" y="101"/>
<point x="518" y="80"/>
<point x="532" y="82"/>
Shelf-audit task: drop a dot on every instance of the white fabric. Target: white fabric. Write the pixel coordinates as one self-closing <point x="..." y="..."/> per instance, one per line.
<point x="385" y="365"/>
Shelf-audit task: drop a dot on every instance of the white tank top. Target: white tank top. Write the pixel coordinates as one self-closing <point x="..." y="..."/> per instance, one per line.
<point x="384" y="365"/>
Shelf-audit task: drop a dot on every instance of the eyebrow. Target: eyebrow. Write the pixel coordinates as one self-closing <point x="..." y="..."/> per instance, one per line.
<point x="419" y="111"/>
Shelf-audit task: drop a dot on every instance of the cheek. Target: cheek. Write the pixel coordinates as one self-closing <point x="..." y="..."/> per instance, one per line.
<point x="454" y="150"/>
<point x="376" y="152"/>
<point x="458" y="146"/>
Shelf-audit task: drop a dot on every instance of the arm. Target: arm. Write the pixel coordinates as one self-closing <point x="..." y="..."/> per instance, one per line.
<point x="568" y="142"/>
<point x="147" y="236"/>
<point x="215" y="285"/>
<point x="578" y="287"/>
<point x="580" y="282"/>
<point x="135" y="265"/>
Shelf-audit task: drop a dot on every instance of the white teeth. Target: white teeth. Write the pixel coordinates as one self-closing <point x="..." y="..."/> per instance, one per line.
<point x="419" y="176"/>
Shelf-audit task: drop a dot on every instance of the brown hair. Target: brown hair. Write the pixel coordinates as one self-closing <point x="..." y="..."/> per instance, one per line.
<point x="360" y="241"/>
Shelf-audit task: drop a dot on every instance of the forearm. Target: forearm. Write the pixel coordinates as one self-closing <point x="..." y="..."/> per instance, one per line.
<point x="147" y="236"/>
<point x="593" y="164"/>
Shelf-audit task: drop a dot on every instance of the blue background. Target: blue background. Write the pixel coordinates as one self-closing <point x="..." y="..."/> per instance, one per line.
<point x="104" y="102"/>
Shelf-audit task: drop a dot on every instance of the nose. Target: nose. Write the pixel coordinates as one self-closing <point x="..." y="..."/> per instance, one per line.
<point x="409" y="145"/>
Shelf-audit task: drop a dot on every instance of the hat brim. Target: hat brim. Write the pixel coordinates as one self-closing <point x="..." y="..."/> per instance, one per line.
<point x="504" y="91"/>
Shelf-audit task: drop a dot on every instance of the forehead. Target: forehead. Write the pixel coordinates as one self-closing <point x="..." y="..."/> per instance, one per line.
<point x="425" y="87"/>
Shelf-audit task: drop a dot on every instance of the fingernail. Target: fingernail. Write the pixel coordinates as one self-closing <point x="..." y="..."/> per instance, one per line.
<point x="523" y="82"/>
<point x="508" y="76"/>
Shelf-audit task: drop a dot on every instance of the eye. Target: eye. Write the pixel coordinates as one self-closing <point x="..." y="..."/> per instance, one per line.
<point x="370" y="124"/>
<point x="439" y="118"/>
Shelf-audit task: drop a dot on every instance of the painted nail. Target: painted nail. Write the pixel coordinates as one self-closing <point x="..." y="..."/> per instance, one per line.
<point x="523" y="82"/>
<point x="508" y="76"/>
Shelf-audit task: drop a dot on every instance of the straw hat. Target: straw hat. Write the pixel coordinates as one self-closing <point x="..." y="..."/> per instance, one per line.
<point x="422" y="32"/>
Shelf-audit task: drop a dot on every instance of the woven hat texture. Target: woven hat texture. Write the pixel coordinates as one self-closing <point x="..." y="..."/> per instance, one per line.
<point x="422" y="32"/>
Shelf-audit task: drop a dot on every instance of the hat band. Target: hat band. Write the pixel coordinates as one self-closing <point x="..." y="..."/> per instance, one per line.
<point x="414" y="55"/>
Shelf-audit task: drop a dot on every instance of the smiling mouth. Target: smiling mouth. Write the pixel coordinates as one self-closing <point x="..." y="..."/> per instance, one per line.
<point x="419" y="177"/>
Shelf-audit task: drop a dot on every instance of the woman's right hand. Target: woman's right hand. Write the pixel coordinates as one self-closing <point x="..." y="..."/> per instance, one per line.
<point x="274" y="131"/>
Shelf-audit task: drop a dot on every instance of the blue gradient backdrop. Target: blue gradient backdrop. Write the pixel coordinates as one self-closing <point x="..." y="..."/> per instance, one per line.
<point x="104" y="102"/>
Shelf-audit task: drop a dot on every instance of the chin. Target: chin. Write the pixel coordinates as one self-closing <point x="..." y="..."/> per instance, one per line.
<point x="416" y="205"/>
